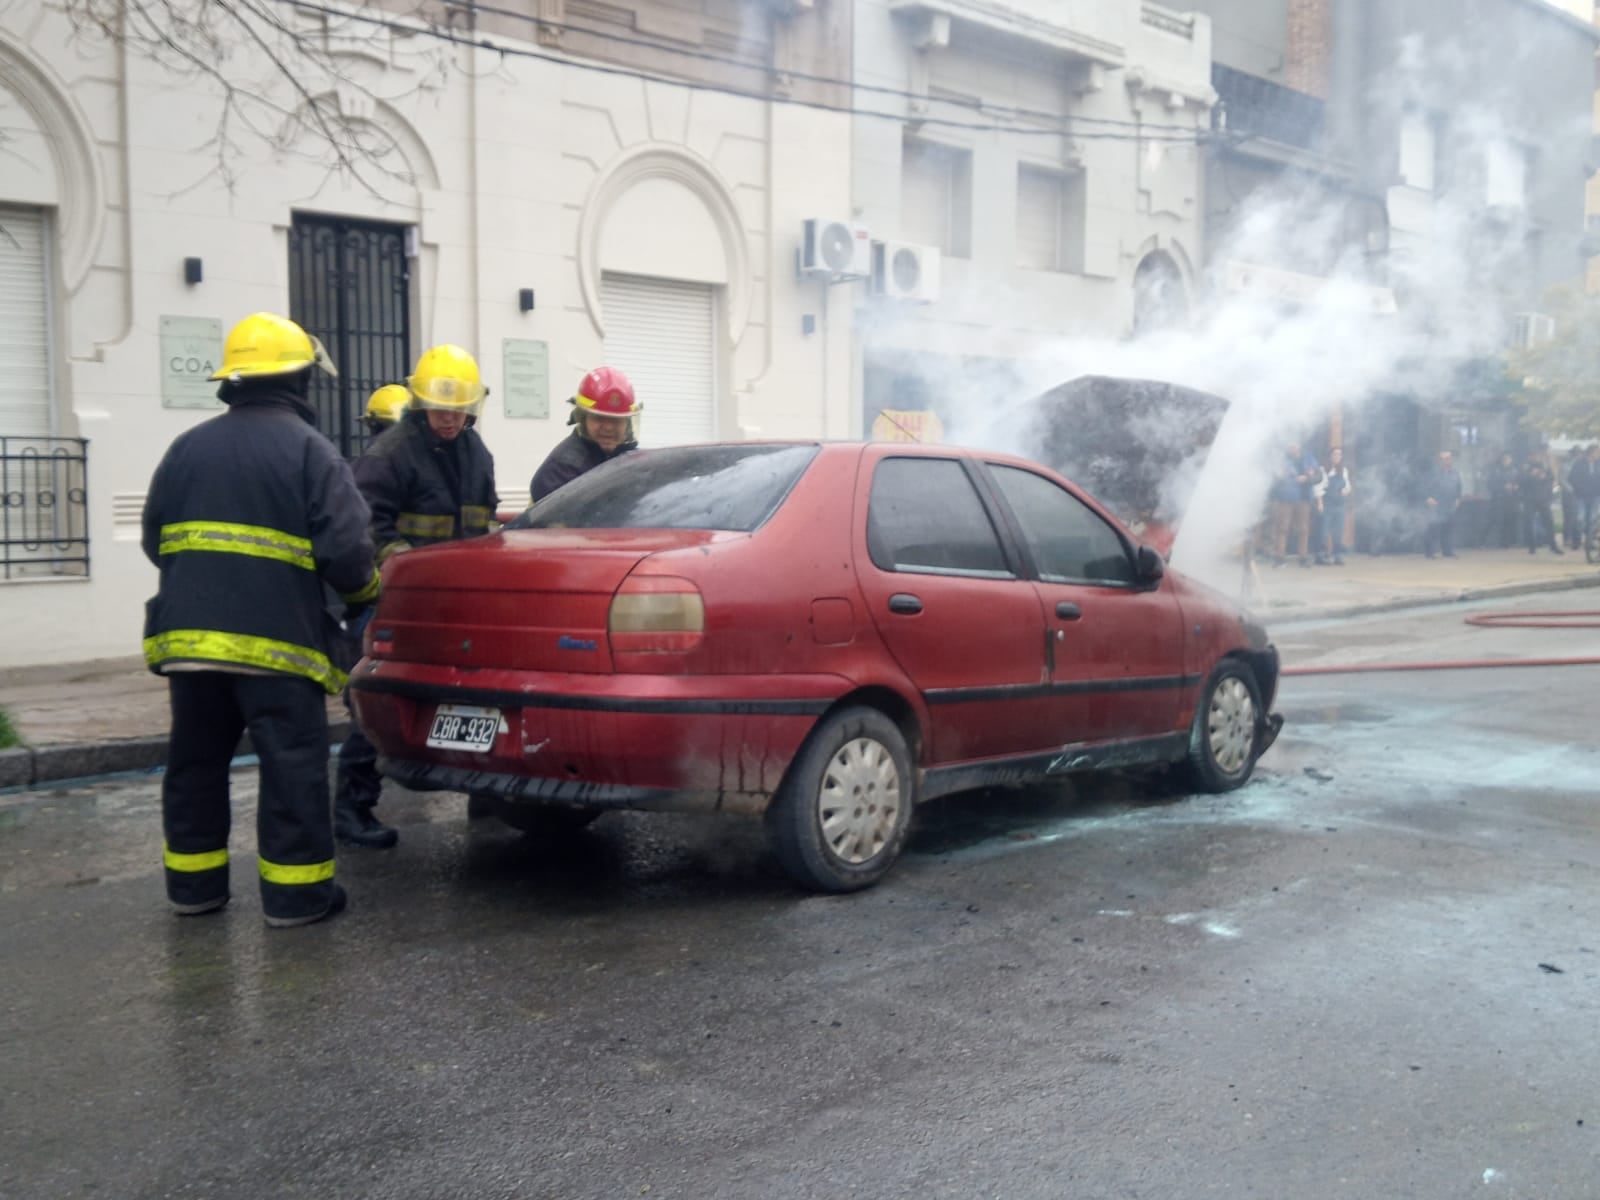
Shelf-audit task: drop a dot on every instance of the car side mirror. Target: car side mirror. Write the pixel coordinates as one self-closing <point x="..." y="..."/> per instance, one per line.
<point x="1149" y="565"/>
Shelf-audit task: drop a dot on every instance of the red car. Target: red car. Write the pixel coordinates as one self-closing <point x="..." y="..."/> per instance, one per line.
<point x="823" y="633"/>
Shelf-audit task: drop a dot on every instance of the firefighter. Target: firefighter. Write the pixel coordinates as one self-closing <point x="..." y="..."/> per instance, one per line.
<point x="249" y="517"/>
<point x="428" y="479"/>
<point x="359" y="784"/>
<point x="603" y="413"/>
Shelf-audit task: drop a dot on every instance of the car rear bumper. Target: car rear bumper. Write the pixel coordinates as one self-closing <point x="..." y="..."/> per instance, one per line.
<point x="617" y="741"/>
<point x="442" y="777"/>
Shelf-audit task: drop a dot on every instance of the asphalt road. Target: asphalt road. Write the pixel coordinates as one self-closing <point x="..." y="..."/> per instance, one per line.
<point x="1371" y="973"/>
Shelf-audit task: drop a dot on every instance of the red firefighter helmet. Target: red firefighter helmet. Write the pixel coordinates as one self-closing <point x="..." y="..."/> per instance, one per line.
<point x="607" y="392"/>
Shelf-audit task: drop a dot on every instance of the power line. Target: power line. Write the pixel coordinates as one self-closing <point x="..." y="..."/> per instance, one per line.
<point x="854" y="85"/>
<point x="1186" y="137"/>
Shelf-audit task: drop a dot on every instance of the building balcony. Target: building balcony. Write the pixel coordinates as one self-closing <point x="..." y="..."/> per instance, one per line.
<point x="1168" y="20"/>
<point x="1094" y="31"/>
<point x="1250" y="106"/>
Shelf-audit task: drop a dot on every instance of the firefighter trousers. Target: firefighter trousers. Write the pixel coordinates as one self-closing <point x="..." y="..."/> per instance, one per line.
<point x="288" y="722"/>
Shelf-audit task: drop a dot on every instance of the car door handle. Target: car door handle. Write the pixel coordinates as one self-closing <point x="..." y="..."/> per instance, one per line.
<point x="1068" y="611"/>
<point x="904" y="602"/>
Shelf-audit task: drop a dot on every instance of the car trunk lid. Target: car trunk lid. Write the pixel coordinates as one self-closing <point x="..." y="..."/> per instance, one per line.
<point x="536" y="600"/>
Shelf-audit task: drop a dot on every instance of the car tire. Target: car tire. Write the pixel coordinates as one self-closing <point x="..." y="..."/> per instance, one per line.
<point x="1225" y="733"/>
<point x="546" y="821"/>
<point x="840" y="817"/>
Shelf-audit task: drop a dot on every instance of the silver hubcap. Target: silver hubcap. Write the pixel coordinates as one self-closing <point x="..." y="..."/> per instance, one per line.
<point x="859" y="801"/>
<point x="1232" y="727"/>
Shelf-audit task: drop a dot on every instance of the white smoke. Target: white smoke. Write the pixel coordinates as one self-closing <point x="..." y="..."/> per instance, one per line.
<point x="1286" y="368"/>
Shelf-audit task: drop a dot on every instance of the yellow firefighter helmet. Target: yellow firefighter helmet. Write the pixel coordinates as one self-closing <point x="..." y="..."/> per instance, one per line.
<point x="447" y="378"/>
<point x="388" y="404"/>
<point x="263" y="345"/>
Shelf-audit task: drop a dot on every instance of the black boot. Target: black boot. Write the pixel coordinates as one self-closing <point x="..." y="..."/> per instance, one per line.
<point x="354" y="825"/>
<point x="340" y="901"/>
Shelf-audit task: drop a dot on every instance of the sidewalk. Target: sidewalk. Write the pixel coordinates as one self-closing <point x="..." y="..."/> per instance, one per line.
<point x="111" y="715"/>
<point x="95" y="718"/>
<point x="1392" y="581"/>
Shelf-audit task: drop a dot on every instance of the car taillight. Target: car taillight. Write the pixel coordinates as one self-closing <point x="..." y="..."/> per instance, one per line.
<point x="656" y="614"/>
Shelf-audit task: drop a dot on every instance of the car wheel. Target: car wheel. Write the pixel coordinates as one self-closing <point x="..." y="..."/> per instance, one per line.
<point x="841" y="814"/>
<point x="542" y="821"/>
<point x="1222" y="742"/>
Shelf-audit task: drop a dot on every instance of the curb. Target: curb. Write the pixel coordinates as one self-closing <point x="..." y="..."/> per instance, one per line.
<point x="35" y="766"/>
<point x="1429" y="600"/>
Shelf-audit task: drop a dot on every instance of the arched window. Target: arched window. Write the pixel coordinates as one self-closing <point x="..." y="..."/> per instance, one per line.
<point x="668" y="308"/>
<point x="1160" y="300"/>
<point x="48" y="199"/>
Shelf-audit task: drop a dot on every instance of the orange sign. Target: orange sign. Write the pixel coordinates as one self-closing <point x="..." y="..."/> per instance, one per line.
<point x="907" y="425"/>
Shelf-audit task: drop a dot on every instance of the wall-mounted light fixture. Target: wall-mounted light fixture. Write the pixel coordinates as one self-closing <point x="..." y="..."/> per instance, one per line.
<point x="192" y="273"/>
<point x="525" y="299"/>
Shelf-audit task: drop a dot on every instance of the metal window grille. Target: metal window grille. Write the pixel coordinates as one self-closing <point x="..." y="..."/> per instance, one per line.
<point x="44" y="507"/>
<point x="350" y="285"/>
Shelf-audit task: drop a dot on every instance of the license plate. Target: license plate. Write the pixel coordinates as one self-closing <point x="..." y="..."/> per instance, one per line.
<point x="464" y="727"/>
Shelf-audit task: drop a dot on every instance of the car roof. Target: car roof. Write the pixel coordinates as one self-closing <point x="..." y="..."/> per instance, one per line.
<point x="856" y="447"/>
<point x="846" y="446"/>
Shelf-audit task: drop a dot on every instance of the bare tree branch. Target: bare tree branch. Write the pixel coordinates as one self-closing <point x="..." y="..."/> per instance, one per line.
<point x="280" y="82"/>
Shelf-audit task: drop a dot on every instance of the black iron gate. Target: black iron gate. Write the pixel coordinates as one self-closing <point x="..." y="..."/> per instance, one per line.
<point x="350" y="285"/>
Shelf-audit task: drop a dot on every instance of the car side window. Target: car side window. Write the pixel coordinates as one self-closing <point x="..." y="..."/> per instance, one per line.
<point x="925" y="515"/>
<point x="1071" y="543"/>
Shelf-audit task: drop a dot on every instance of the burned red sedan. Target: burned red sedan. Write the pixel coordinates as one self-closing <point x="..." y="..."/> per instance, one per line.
<point x="823" y="633"/>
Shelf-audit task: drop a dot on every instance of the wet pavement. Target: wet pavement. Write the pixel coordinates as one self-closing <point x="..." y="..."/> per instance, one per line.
<point x="1375" y="971"/>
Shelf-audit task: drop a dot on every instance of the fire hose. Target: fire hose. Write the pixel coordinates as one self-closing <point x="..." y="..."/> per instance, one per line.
<point x="1589" y="619"/>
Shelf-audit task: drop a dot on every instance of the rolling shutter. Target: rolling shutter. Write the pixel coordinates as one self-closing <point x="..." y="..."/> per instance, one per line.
<point x="25" y="401"/>
<point x="662" y="334"/>
<point x="1039" y="205"/>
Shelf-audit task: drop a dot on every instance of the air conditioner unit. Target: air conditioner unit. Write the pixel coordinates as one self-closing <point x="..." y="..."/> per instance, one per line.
<point x="836" y="249"/>
<point x="1533" y="329"/>
<point x="905" y="272"/>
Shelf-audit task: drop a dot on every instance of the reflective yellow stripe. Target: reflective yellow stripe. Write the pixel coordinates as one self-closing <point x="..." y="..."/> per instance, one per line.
<point x="475" y="517"/>
<point x="390" y="549"/>
<point x="258" y="541"/>
<point x="367" y="594"/>
<point x="418" y="525"/>
<point x="283" y="873"/>
<point x="244" y="650"/>
<point x="209" y="861"/>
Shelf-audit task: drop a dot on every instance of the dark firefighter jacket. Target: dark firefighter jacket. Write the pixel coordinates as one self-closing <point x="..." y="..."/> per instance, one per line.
<point x="423" y="489"/>
<point x="572" y="457"/>
<point x="248" y="516"/>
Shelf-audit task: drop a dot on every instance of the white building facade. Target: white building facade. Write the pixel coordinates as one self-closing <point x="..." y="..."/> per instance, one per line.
<point x="564" y="199"/>
<point x="1029" y="236"/>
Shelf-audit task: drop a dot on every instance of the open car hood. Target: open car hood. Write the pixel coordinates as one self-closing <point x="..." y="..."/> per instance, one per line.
<point x="1136" y="445"/>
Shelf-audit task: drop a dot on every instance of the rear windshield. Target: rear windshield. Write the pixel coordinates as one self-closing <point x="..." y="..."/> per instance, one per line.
<point x="733" y="488"/>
